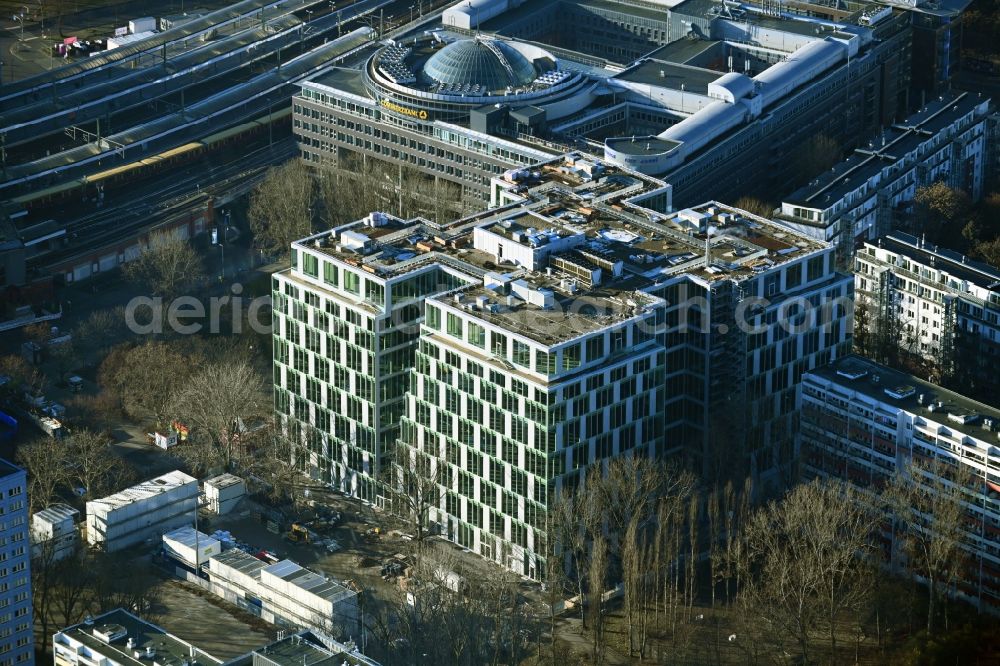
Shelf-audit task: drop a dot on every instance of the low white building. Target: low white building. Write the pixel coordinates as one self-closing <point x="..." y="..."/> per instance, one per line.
<point x="186" y="544"/>
<point x="284" y="593"/>
<point x="55" y="529"/>
<point x="224" y="492"/>
<point x="146" y="510"/>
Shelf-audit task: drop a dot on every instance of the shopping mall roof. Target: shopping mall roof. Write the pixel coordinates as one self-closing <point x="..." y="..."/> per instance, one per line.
<point x="670" y="75"/>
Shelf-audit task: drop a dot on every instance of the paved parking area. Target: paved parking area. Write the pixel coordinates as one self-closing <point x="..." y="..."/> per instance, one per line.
<point x="209" y="622"/>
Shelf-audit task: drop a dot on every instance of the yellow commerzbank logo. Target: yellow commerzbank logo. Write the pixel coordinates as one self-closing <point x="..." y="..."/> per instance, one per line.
<point x="392" y="106"/>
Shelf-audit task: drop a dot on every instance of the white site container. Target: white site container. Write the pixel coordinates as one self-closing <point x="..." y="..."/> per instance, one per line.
<point x="145" y="510"/>
<point x="185" y="542"/>
<point x="144" y="24"/>
<point x="54" y="530"/>
<point x="224" y="492"/>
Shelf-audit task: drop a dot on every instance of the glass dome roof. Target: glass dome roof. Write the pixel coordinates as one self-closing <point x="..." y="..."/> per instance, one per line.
<point x="489" y="63"/>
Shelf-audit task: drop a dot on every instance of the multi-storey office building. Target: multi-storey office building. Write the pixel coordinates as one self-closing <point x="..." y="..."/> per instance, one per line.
<point x="579" y="320"/>
<point x="725" y="107"/>
<point x="863" y="423"/>
<point x="863" y="196"/>
<point x="17" y="637"/>
<point x="345" y="339"/>
<point x="938" y="304"/>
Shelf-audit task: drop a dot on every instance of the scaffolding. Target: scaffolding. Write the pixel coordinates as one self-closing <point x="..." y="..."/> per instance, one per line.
<point x="886" y="324"/>
<point x="946" y="350"/>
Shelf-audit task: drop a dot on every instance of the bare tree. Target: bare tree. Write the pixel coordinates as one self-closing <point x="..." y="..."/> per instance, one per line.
<point x="45" y="460"/>
<point x="44" y="578"/>
<point x="755" y="206"/>
<point x="99" y="331"/>
<point x="73" y="592"/>
<point x="806" y="561"/>
<point x="596" y="579"/>
<point x="23" y="377"/>
<point x="222" y="403"/>
<point x="817" y="154"/>
<point x="166" y="265"/>
<point x="94" y="465"/>
<point x="147" y="376"/>
<point x="281" y="207"/>
<point x="928" y="511"/>
<point x="414" y="489"/>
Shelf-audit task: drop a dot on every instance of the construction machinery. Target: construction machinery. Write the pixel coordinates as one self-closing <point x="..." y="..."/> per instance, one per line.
<point x="298" y="533"/>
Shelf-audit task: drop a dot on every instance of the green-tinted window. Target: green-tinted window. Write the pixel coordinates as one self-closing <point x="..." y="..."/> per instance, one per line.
<point x="814" y="269"/>
<point x="595" y="348"/>
<point x="477" y="335"/>
<point x="374" y="292"/>
<point x="545" y="362"/>
<point x="433" y="317"/>
<point x="352" y="282"/>
<point x="571" y="357"/>
<point x="498" y="344"/>
<point x="522" y="354"/>
<point x="331" y="274"/>
<point x="454" y="325"/>
<point x="310" y="265"/>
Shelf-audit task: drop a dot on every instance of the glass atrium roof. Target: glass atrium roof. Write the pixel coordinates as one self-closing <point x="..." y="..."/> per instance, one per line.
<point x="489" y="63"/>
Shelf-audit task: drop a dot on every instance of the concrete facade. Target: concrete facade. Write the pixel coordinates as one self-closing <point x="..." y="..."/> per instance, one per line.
<point x="17" y="638"/>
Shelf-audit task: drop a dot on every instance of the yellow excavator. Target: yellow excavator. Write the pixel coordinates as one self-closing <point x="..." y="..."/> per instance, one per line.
<point x="298" y="533"/>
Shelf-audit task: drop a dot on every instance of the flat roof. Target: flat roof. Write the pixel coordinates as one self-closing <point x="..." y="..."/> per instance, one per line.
<point x="56" y="513"/>
<point x="642" y="145"/>
<point x="146" y="489"/>
<point x="303" y="649"/>
<point x="902" y="383"/>
<point x="243" y="562"/>
<point x="169" y="650"/>
<point x="943" y="259"/>
<point x="890" y="147"/>
<point x="340" y="78"/>
<point x="8" y="468"/>
<point x="224" y="481"/>
<point x="682" y="50"/>
<point x="594" y="222"/>
<point x="309" y="581"/>
<point x="670" y="75"/>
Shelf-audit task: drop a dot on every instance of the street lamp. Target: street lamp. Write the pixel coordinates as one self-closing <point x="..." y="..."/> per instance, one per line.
<point x="20" y="19"/>
<point x="219" y="238"/>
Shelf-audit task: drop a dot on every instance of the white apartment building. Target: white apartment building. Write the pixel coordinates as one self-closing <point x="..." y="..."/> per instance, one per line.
<point x="579" y="320"/>
<point x="862" y="422"/>
<point x="938" y="304"/>
<point x="17" y="638"/>
<point x="119" y="638"/>
<point x="146" y="510"/>
<point x="284" y="593"/>
<point x="862" y="197"/>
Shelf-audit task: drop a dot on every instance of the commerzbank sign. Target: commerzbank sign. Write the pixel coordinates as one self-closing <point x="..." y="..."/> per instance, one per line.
<point x="406" y="111"/>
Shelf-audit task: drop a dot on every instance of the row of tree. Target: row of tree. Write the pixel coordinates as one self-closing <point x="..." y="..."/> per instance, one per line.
<point x="65" y="589"/>
<point x="774" y="577"/>
<point x="293" y="199"/>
